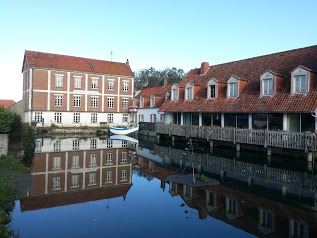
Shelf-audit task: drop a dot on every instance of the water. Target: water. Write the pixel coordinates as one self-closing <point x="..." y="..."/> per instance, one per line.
<point x="73" y="197"/>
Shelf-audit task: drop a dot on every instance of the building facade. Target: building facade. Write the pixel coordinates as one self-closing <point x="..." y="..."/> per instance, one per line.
<point x="74" y="91"/>
<point x="270" y="92"/>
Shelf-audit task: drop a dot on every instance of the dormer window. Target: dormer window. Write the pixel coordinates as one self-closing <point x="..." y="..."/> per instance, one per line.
<point x="141" y="102"/>
<point x="300" y="80"/>
<point x="189" y="91"/>
<point x="175" y="92"/>
<point x="267" y="83"/>
<point x="212" y="89"/>
<point x="152" y="101"/>
<point x="233" y="89"/>
<point x="235" y="86"/>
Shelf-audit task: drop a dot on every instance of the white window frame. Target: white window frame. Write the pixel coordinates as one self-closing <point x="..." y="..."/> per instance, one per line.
<point x="94" y="101"/>
<point x="76" y="117"/>
<point x="109" y="176"/>
<point x="38" y="116"/>
<point x="123" y="176"/>
<point x="56" y="163"/>
<point x="300" y="72"/>
<point x="75" y="162"/>
<point x="94" y="83"/>
<point x="58" y="100"/>
<point x="77" y="81"/>
<point x="125" y="102"/>
<point x="141" y="102"/>
<point x="212" y="83"/>
<point x="59" y="80"/>
<point x="125" y="86"/>
<point x="109" y="144"/>
<point x="76" y="144"/>
<point x="94" y="118"/>
<point x="125" y="117"/>
<point x="77" y="100"/>
<point x="124" y="157"/>
<point x="233" y="83"/>
<point x="111" y="84"/>
<point x="56" y="183"/>
<point x="75" y="181"/>
<point x="110" y="117"/>
<point x="109" y="158"/>
<point x="189" y="91"/>
<point x="57" y="117"/>
<point x="93" y="160"/>
<point x="110" y="102"/>
<point x="92" y="179"/>
<point x="93" y="144"/>
<point x="266" y="89"/>
<point x="175" y="92"/>
<point x="152" y="100"/>
<point x="57" y="145"/>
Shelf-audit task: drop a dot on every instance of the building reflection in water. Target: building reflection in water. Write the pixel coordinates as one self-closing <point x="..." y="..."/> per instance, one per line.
<point x="73" y="170"/>
<point x="262" y="200"/>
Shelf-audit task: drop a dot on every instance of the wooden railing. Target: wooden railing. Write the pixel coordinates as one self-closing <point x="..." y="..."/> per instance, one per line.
<point x="281" y="139"/>
<point x="262" y="173"/>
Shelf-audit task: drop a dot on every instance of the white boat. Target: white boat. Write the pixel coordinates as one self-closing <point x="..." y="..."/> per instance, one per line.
<point x="124" y="138"/>
<point x="123" y="130"/>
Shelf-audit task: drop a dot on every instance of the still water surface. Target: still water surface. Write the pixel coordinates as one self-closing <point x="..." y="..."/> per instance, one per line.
<point x="115" y="188"/>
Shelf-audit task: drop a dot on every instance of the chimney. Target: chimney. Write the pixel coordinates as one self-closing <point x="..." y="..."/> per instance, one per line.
<point x="127" y="62"/>
<point x="204" y="67"/>
<point x="165" y="81"/>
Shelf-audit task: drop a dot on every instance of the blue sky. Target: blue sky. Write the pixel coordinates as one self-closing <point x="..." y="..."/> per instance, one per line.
<point x="159" y="34"/>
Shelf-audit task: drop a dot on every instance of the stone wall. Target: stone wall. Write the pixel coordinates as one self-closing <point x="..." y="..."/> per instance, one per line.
<point x="4" y="141"/>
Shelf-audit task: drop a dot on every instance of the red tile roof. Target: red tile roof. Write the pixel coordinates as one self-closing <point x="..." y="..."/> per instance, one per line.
<point x="6" y="103"/>
<point x="54" y="61"/>
<point x="249" y="100"/>
<point x="158" y="92"/>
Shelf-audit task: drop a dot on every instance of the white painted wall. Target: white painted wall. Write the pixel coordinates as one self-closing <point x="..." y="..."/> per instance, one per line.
<point x="146" y="112"/>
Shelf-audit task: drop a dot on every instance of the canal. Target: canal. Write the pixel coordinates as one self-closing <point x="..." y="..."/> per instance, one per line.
<point x="123" y="186"/>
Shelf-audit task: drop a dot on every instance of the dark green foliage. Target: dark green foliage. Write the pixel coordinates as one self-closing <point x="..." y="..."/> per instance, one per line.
<point x="148" y="78"/>
<point x="28" y="145"/>
<point x="11" y="176"/>
<point x="10" y="122"/>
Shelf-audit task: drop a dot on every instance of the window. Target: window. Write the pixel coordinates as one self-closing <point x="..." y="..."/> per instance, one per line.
<point x="94" y="102"/>
<point x="123" y="175"/>
<point x="92" y="178"/>
<point x="233" y="90"/>
<point x="174" y="92"/>
<point x="187" y="191"/>
<point x="57" y="145"/>
<point x="266" y="219"/>
<point x="173" y="187"/>
<point x="75" y="144"/>
<point x="38" y="146"/>
<point x="300" y="84"/>
<point x="76" y="101"/>
<point x="109" y="177"/>
<point x="76" y="117"/>
<point x="93" y="160"/>
<point x="94" y="83"/>
<point x="125" y="102"/>
<point x="189" y="93"/>
<point x="298" y="229"/>
<point x="110" y="102"/>
<point x="211" y="199"/>
<point x="110" y="118"/>
<point x="124" y="157"/>
<point x="56" y="163"/>
<point x="58" y="117"/>
<point x="152" y="101"/>
<point x="141" y="118"/>
<point x="141" y="102"/>
<point x="56" y="182"/>
<point x="109" y="158"/>
<point x="75" y="161"/>
<point x="231" y="206"/>
<point x="93" y="144"/>
<point x="110" y="84"/>
<point x="59" y="80"/>
<point x="38" y="117"/>
<point x="153" y="117"/>
<point x="125" y="117"/>
<point x="109" y="144"/>
<point x="77" y="81"/>
<point x="93" y="118"/>
<point x="124" y="143"/>
<point x="212" y="89"/>
<point x="58" y="100"/>
<point x="75" y="180"/>
<point x="125" y="86"/>
<point x="300" y="80"/>
<point x="268" y="86"/>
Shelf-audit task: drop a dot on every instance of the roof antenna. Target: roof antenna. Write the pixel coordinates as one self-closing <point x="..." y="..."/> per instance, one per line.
<point x="111" y="54"/>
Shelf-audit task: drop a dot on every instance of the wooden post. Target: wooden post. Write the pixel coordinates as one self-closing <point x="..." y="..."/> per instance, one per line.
<point x="238" y="147"/>
<point x="269" y="151"/>
<point x="310" y="157"/>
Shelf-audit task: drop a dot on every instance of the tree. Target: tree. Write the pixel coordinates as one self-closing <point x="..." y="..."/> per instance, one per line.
<point x="148" y="78"/>
<point x="6" y="120"/>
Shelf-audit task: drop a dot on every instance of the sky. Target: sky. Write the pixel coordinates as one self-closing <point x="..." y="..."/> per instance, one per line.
<point x="150" y="33"/>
